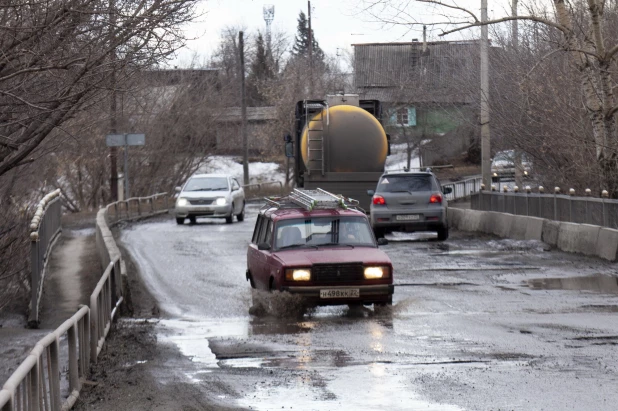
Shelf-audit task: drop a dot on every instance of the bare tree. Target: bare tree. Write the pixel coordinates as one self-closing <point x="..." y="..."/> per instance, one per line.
<point x="56" y="60"/>
<point x="582" y="31"/>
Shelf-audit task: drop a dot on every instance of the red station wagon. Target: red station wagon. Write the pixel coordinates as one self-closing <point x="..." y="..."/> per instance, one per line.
<point x="315" y="244"/>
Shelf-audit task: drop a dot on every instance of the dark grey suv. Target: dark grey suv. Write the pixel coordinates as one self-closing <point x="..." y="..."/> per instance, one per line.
<point x="409" y="201"/>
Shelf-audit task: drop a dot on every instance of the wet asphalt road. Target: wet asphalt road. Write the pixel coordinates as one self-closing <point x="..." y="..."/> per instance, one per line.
<point x="478" y="323"/>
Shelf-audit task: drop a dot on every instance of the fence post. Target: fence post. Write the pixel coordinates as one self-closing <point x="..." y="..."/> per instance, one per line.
<point x="73" y="363"/>
<point x="139" y="207"/>
<point x="556" y="191"/>
<point x="54" y="374"/>
<point x="34" y="278"/>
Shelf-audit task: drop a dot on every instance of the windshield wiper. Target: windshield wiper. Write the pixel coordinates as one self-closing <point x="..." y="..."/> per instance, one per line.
<point x="201" y="189"/>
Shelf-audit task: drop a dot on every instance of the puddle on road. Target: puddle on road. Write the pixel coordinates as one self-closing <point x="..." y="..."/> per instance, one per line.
<point x="597" y="283"/>
<point x="376" y="386"/>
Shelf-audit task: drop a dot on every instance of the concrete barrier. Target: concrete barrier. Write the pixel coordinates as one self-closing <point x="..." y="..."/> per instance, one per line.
<point x="578" y="238"/>
<point x="571" y="237"/>
<point x="607" y="244"/>
<point x="534" y="228"/>
<point x="471" y="220"/>
<point x="519" y="226"/>
<point x="549" y="233"/>
<point x="455" y="215"/>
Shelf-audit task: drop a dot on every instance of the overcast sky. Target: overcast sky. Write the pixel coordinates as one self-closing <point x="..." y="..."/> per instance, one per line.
<point x="336" y="24"/>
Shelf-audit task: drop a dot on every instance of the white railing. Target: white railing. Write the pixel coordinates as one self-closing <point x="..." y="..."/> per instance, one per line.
<point x="257" y="188"/>
<point x="45" y="229"/>
<point x="104" y="303"/>
<point x="138" y="207"/>
<point x="37" y="384"/>
<point x="464" y="188"/>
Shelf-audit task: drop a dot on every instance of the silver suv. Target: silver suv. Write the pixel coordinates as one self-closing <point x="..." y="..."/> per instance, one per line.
<point x="409" y="201"/>
<point x="210" y="195"/>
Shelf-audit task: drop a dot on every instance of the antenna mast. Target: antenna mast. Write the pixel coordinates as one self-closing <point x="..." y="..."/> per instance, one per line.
<point x="269" y="15"/>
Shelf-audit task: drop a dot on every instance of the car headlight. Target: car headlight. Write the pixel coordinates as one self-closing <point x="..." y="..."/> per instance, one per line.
<point x="298" y="274"/>
<point x="181" y="202"/>
<point x="372" y="273"/>
<point x="221" y="201"/>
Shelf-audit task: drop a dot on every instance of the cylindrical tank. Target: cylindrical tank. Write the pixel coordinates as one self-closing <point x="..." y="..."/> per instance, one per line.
<point x="353" y="140"/>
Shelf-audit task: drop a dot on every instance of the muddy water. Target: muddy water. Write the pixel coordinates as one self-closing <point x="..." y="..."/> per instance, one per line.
<point x="462" y="333"/>
<point x="596" y="283"/>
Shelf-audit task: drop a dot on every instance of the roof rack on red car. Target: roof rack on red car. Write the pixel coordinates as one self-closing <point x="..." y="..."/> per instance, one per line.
<point x="312" y="200"/>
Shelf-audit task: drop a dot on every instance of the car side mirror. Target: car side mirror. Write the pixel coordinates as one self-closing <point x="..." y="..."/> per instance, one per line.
<point x="289" y="149"/>
<point x="235" y="188"/>
<point x="447" y="190"/>
<point x="263" y="246"/>
<point x="382" y="241"/>
<point x="370" y="192"/>
<point x="178" y="189"/>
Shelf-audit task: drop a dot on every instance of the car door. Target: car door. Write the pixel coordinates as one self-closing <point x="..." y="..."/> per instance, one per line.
<point x="258" y="259"/>
<point x="237" y="197"/>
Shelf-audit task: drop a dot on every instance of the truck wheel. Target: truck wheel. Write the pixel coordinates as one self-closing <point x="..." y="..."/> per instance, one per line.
<point x="442" y="233"/>
<point x="180" y="220"/>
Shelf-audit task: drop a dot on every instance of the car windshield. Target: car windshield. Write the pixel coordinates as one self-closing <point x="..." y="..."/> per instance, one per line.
<point x="323" y="231"/>
<point x="206" y="184"/>
<point x="412" y="183"/>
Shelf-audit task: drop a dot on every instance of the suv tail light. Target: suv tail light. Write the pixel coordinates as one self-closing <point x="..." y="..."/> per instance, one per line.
<point x="379" y="200"/>
<point x="435" y="199"/>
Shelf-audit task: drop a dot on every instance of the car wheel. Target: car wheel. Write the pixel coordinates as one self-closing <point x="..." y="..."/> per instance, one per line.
<point x="180" y="220"/>
<point x="192" y="220"/>
<point x="442" y="233"/>
<point x="241" y="216"/>
<point x="230" y="219"/>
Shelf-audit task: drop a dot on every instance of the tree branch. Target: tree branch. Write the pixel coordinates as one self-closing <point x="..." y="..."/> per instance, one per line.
<point x="505" y="19"/>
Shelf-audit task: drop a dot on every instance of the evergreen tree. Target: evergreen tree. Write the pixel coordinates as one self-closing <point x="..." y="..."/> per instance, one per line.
<point x="301" y="41"/>
<point x="261" y="72"/>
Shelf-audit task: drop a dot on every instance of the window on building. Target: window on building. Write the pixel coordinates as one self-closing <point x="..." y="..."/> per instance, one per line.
<point x="402" y="116"/>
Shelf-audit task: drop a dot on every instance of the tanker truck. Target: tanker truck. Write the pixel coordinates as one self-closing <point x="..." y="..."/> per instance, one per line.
<point x="339" y="145"/>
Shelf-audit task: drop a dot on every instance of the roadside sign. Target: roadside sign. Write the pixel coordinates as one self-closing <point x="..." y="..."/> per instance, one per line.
<point x="114" y="140"/>
<point x="136" y="139"/>
<point x="125" y="140"/>
<point x="118" y="140"/>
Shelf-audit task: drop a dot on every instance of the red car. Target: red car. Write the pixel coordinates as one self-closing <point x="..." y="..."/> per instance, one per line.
<point x="322" y="250"/>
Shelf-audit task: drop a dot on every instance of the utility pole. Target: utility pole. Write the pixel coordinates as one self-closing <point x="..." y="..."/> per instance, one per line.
<point x="243" y="110"/>
<point x="515" y="44"/>
<point x="113" y="151"/>
<point x="310" y="36"/>
<point x="485" y="136"/>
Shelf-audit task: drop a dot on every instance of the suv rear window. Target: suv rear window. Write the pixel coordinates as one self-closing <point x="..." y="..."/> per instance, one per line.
<point x="405" y="184"/>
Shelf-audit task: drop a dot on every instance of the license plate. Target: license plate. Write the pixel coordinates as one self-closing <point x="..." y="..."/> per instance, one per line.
<point x="339" y="293"/>
<point x="408" y="217"/>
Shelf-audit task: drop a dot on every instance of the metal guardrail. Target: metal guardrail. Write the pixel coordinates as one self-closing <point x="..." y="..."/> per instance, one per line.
<point x="261" y="186"/>
<point x="45" y="230"/>
<point x="559" y="207"/>
<point x="37" y="383"/>
<point x="463" y="188"/>
<point x="138" y="207"/>
<point x="104" y="303"/>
